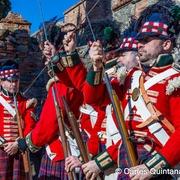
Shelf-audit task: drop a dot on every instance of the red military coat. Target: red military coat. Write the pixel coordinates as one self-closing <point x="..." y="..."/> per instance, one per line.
<point x="8" y="124"/>
<point x="46" y="131"/>
<point x="77" y="74"/>
<point x="167" y="104"/>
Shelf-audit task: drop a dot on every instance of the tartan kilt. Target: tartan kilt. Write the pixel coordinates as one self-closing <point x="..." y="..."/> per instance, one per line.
<point x="54" y="170"/>
<point x="11" y="167"/>
<point x="50" y="170"/>
<point x="123" y="163"/>
<point x="102" y="147"/>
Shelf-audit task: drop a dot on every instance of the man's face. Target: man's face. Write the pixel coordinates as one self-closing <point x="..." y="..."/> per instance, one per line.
<point x="128" y="58"/>
<point x="149" y="49"/>
<point x="10" y="86"/>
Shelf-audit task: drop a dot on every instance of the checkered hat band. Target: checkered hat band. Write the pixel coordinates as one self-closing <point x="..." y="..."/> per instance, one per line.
<point x="155" y="27"/>
<point x="129" y="43"/>
<point x="9" y="73"/>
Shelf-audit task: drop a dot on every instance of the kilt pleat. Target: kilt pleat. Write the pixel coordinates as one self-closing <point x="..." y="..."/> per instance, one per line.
<point x="54" y="170"/>
<point x="11" y="167"/>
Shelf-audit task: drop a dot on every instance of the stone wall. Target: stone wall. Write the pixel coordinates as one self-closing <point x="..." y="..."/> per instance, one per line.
<point x="15" y="42"/>
<point x="121" y="12"/>
<point x="13" y="22"/>
<point x="96" y="11"/>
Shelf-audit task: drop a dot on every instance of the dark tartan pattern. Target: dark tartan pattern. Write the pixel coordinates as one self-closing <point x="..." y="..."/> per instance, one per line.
<point x="84" y="136"/>
<point x="11" y="167"/>
<point x="54" y="170"/>
<point x="123" y="164"/>
<point x="102" y="147"/>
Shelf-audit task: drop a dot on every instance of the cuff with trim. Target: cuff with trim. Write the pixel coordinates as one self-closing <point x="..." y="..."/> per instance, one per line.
<point x="156" y="163"/>
<point x="30" y="145"/>
<point x="70" y="60"/>
<point x="94" y="78"/>
<point x="57" y="68"/>
<point x="104" y="161"/>
<point x="21" y="144"/>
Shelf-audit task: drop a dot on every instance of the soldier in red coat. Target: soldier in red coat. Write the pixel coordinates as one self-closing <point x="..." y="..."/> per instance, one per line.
<point x="46" y="133"/>
<point x="11" y="161"/>
<point x="99" y="137"/>
<point x="149" y="99"/>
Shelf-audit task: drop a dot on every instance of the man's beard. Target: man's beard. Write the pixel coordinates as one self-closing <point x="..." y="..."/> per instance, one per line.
<point x="148" y="60"/>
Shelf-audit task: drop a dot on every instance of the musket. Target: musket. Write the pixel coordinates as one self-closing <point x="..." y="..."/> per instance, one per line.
<point x="25" y="155"/>
<point x="60" y="119"/>
<point x="121" y="123"/>
<point x="77" y="134"/>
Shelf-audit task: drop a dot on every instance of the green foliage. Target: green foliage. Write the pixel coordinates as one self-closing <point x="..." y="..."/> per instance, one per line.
<point x="5" y="7"/>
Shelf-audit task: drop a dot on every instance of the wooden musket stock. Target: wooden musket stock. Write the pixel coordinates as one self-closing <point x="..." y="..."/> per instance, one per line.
<point x="73" y="122"/>
<point x="60" y="119"/>
<point x="25" y="155"/>
<point x="121" y="123"/>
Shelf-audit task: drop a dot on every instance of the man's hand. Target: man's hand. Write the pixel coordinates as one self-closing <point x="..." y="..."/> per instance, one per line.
<point x="49" y="50"/>
<point x="11" y="148"/>
<point x="140" y="172"/>
<point x="69" y="42"/>
<point x="96" y="55"/>
<point x="72" y="162"/>
<point x="91" y="170"/>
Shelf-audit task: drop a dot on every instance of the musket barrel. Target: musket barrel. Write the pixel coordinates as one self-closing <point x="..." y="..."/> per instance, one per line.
<point x="121" y="123"/>
<point x="76" y="131"/>
<point x="25" y="154"/>
<point x="60" y="119"/>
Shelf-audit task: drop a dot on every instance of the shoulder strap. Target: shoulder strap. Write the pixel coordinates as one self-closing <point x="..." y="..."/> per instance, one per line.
<point x="159" y="77"/>
<point x="155" y="114"/>
<point x="7" y="106"/>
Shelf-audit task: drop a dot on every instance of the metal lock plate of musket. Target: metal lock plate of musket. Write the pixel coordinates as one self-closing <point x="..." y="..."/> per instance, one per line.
<point x="135" y="94"/>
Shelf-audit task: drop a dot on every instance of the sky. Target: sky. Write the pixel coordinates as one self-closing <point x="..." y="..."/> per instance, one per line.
<point x="35" y="11"/>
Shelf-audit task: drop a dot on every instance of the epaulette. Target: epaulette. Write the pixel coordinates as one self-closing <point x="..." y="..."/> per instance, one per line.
<point x="173" y="85"/>
<point x="30" y="102"/>
<point x="50" y="82"/>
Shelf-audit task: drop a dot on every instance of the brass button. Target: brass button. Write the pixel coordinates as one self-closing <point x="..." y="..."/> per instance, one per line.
<point x="135" y="94"/>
